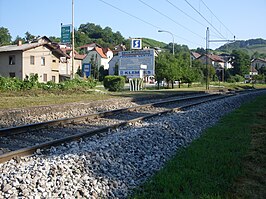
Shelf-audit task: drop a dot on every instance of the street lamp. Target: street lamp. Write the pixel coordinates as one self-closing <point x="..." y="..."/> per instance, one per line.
<point x="172" y="36"/>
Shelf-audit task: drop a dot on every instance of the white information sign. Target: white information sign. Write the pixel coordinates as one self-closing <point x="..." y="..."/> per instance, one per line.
<point x="132" y="61"/>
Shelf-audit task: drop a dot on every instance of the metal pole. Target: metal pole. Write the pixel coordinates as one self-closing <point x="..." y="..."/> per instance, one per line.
<point x="172" y="37"/>
<point x="207" y="46"/>
<point x="73" y="45"/>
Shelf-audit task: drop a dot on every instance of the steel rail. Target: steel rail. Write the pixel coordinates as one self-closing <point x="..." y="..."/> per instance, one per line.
<point x="39" y="125"/>
<point x="30" y="150"/>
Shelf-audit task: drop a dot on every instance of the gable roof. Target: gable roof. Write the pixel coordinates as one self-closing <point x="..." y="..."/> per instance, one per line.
<point x="100" y="52"/>
<point x="42" y="42"/>
<point x="195" y="54"/>
<point x="259" y="59"/>
<point x="22" y="47"/>
<point x="215" y="58"/>
<point x="67" y="51"/>
<point x="90" y="45"/>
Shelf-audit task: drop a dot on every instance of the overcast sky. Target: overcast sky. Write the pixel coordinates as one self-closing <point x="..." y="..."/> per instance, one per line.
<point x="243" y="18"/>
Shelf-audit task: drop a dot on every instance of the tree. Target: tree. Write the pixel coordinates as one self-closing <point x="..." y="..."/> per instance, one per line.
<point x="29" y="37"/>
<point x="5" y="37"/>
<point x="168" y="67"/>
<point x="102" y="73"/>
<point x="18" y="38"/>
<point x="240" y="62"/>
<point x="55" y="39"/>
<point x="94" y="68"/>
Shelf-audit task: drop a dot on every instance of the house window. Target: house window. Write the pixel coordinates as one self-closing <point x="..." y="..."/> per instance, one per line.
<point x="12" y="60"/>
<point x="45" y="77"/>
<point x="53" y="78"/>
<point x="54" y="61"/>
<point x="12" y="74"/>
<point x="32" y="59"/>
<point x="43" y="61"/>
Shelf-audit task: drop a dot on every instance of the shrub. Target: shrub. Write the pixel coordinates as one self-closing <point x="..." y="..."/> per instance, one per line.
<point x="11" y="84"/>
<point x="114" y="83"/>
<point x="236" y="78"/>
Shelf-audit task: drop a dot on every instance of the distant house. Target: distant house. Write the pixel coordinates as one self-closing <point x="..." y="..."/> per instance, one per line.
<point x="101" y="56"/>
<point x="215" y="60"/>
<point x="119" y="48"/>
<point x="88" y="47"/>
<point x="65" y="68"/>
<point x="227" y="60"/>
<point x="258" y="63"/>
<point x="40" y="57"/>
<point x="112" y="64"/>
<point x="194" y="55"/>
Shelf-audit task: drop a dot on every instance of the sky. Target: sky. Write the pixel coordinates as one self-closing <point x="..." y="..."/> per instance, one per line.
<point x="186" y="20"/>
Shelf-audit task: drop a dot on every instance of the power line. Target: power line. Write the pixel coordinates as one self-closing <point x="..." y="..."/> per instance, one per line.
<point x="130" y="14"/>
<point x="216" y="17"/>
<point x="204" y="19"/>
<point x="146" y="22"/>
<point x="186" y="13"/>
<point x="170" y="19"/>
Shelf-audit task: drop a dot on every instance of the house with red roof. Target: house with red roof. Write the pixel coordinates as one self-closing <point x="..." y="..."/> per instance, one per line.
<point x="101" y="56"/>
<point x="215" y="60"/>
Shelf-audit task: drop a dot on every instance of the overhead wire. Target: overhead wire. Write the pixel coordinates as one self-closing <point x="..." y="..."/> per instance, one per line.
<point x="171" y="19"/>
<point x="144" y="21"/>
<point x="216" y="17"/>
<point x="205" y="19"/>
<point x="175" y="6"/>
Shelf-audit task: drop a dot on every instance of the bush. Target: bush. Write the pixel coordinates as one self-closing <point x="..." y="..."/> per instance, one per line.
<point x="114" y="83"/>
<point x="236" y="78"/>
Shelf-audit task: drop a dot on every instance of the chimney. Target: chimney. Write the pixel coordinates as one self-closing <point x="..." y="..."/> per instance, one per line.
<point x="19" y="43"/>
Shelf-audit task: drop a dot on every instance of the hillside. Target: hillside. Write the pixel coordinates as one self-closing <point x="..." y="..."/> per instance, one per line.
<point x="250" y="46"/>
<point x="153" y="43"/>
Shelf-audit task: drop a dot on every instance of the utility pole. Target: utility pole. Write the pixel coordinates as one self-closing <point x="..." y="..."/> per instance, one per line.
<point x="73" y="44"/>
<point x="207" y="47"/>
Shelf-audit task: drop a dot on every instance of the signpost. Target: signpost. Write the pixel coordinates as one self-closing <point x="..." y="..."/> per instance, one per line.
<point x="86" y="69"/>
<point x="131" y="63"/>
<point x="65" y="34"/>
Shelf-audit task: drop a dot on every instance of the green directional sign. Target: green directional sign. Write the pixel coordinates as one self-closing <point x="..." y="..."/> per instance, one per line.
<point x="65" y="34"/>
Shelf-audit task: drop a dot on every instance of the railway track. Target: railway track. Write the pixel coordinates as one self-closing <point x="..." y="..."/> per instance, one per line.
<point x="25" y="140"/>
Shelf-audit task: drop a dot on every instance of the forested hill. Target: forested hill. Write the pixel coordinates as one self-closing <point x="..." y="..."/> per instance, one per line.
<point x="250" y="46"/>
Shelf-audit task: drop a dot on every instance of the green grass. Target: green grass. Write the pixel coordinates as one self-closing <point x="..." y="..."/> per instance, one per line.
<point x="226" y="162"/>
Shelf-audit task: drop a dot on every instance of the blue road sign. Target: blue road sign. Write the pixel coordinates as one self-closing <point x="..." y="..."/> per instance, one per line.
<point x="136" y="44"/>
<point x="86" y="68"/>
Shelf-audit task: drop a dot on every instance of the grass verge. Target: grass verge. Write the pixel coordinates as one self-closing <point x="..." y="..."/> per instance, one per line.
<point x="228" y="161"/>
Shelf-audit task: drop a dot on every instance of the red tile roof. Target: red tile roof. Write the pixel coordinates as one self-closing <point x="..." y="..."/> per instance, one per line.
<point x="67" y="50"/>
<point x="100" y="52"/>
<point x="215" y="58"/>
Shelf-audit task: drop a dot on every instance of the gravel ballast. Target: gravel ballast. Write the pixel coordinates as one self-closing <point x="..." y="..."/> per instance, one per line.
<point x="111" y="165"/>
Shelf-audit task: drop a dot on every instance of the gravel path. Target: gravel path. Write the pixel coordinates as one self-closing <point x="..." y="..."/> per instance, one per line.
<point x="110" y="166"/>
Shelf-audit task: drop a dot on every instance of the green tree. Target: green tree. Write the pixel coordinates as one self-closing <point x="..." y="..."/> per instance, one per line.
<point x="240" y="62"/>
<point x="18" y="38"/>
<point x="5" y="37"/>
<point x="29" y="37"/>
<point x="94" y="68"/>
<point x="55" y="39"/>
<point x="102" y="73"/>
